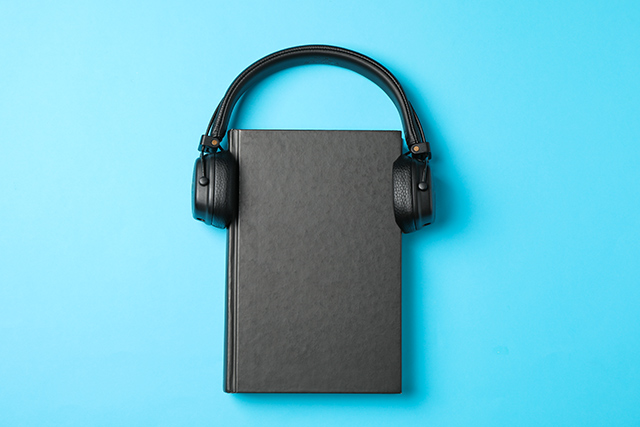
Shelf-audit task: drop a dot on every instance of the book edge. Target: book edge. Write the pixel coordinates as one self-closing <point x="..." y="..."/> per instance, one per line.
<point x="230" y="366"/>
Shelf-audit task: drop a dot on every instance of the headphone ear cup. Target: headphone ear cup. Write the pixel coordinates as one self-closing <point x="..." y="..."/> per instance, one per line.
<point x="215" y="199"/>
<point x="413" y="208"/>
<point x="225" y="197"/>
<point x="403" y="200"/>
<point x="426" y="208"/>
<point x="200" y="191"/>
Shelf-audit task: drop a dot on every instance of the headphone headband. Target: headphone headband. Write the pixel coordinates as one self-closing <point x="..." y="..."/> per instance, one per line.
<point x="321" y="54"/>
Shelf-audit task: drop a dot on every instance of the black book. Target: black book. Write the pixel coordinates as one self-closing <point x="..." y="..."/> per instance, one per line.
<point x="314" y="264"/>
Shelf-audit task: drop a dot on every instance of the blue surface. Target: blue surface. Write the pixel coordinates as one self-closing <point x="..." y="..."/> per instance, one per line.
<point x="521" y="304"/>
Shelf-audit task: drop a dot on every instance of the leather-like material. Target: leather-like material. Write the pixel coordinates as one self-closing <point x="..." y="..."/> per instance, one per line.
<point x="217" y="202"/>
<point x="413" y="208"/>
<point x="318" y="54"/>
<point x="403" y="187"/>
<point x="225" y="201"/>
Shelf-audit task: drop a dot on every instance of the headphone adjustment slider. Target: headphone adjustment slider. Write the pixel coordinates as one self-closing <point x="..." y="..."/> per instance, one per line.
<point x="208" y="144"/>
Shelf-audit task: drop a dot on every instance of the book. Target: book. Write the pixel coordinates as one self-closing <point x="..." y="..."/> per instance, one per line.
<point x="314" y="264"/>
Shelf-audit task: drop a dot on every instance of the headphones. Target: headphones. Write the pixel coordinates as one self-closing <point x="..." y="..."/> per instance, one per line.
<point x="215" y="175"/>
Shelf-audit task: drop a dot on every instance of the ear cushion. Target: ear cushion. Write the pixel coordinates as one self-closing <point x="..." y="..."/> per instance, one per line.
<point x="225" y="197"/>
<point x="413" y="208"/>
<point x="403" y="184"/>
<point x="216" y="203"/>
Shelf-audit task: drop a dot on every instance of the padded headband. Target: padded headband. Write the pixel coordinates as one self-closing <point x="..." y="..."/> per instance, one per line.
<point x="322" y="54"/>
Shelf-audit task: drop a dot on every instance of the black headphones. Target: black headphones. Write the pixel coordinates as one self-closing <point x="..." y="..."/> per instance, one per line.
<point x="215" y="175"/>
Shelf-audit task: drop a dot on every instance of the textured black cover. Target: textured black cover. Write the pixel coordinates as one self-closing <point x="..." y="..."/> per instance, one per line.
<point x="314" y="267"/>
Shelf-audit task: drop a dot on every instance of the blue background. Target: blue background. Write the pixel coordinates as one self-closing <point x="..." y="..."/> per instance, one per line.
<point x="521" y="304"/>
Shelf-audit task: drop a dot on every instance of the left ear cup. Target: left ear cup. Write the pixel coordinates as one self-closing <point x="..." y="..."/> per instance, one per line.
<point x="413" y="208"/>
<point x="215" y="200"/>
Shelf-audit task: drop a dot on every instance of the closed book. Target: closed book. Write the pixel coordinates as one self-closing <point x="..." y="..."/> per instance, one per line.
<point x="314" y="264"/>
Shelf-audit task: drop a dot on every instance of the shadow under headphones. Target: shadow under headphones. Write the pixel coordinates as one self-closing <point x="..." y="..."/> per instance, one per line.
<point x="215" y="175"/>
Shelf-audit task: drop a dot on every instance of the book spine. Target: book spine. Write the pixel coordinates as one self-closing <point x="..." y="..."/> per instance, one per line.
<point x="230" y="378"/>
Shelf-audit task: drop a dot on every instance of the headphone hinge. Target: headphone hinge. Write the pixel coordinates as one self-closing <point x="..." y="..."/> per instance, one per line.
<point x="420" y="151"/>
<point x="208" y="144"/>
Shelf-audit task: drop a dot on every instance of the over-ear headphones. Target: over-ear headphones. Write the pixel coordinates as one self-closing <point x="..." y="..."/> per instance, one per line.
<point x="215" y="175"/>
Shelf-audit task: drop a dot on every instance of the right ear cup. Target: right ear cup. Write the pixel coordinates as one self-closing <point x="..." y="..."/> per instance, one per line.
<point x="413" y="202"/>
<point x="215" y="189"/>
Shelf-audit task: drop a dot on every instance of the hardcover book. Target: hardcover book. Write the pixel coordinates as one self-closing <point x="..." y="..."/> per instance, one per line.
<point x="314" y="264"/>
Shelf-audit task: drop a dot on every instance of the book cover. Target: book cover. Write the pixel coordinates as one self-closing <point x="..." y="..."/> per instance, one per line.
<point x="314" y="264"/>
